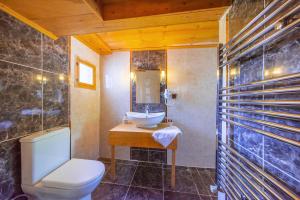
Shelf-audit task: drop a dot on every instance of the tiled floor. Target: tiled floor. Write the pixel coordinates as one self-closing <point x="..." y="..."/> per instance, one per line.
<point x="151" y="181"/>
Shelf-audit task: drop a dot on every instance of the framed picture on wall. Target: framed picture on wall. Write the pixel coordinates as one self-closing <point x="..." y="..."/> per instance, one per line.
<point x="85" y="74"/>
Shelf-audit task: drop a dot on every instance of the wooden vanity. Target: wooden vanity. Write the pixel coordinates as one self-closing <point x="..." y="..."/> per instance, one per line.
<point x="130" y="135"/>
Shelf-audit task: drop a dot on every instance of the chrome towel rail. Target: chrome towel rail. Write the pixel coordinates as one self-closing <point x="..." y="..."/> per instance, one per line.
<point x="242" y="174"/>
<point x="238" y="176"/>
<point x="236" y="192"/>
<point x="260" y="92"/>
<point x="225" y="166"/>
<point x="225" y="173"/>
<point x="258" y="170"/>
<point x="264" y="102"/>
<point x="255" y="177"/>
<point x="263" y="82"/>
<point x="266" y="29"/>
<point x="230" y="193"/>
<point x="255" y="19"/>
<point x="263" y="42"/>
<point x="263" y="122"/>
<point x="266" y="133"/>
<point x="263" y="112"/>
<point x="260" y="25"/>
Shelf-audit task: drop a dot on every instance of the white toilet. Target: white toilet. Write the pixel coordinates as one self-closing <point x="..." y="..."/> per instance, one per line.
<point x="49" y="174"/>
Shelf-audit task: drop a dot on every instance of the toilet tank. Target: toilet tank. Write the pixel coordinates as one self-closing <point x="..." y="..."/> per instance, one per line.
<point x="43" y="152"/>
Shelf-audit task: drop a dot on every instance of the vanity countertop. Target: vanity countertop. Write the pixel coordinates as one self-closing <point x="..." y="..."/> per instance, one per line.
<point x="131" y="128"/>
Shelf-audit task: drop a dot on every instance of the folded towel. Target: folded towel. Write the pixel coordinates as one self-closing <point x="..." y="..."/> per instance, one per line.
<point x="166" y="135"/>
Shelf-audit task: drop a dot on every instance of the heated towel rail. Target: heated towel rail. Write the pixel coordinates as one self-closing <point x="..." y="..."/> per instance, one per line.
<point x="237" y="176"/>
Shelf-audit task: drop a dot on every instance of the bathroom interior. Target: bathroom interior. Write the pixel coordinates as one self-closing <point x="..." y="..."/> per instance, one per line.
<point x="149" y="100"/>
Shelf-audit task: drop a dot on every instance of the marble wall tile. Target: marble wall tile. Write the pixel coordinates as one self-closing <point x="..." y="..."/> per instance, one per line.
<point x="242" y="12"/>
<point x="249" y="144"/>
<point x="19" y="43"/>
<point x="251" y="67"/>
<point x="284" y="156"/>
<point x="157" y="59"/>
<point x="26" y="91"/>
<point x="20" y="100"/>
<point x="139" y="59"/>
<point x="55" y="55"/>
<point x="139" y="154"/>
<point x="10" y="173"/>
<point x="287" y="180"/>
<point x="282" y="56"/>
<point x="55" y="100"/>
<point x="148" y="60"/>
<point x="158" y="156"/>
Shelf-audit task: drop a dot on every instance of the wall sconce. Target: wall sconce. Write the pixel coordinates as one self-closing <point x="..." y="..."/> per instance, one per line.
<point x="277" y="71"/>
<point x="61" y="77"/>
<point x="163" y="77"/>
<point x="41" y="78"/>
<point x="132" y="77"/>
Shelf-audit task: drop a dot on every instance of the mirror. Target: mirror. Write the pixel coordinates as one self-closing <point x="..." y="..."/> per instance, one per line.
<point x="148" y="86"/>
<point x="148" y="72"/>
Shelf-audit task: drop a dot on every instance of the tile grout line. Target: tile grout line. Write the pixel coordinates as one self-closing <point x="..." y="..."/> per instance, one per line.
<point x="163" y="181"/>
<point x="196" y="184"/>
<point x="42" y="67"/>
<point x="130" y="182"/>
<point x="14" y="63"/>
<point x="266" y="162"/>
<point x="15" y="138"/>
<point x="202" y="184"/>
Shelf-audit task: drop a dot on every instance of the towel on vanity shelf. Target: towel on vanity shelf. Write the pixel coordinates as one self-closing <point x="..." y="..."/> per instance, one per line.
<point x="166" y="135"/>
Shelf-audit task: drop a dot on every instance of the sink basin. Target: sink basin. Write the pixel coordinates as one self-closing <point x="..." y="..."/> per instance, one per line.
<point x="144" y="120"/>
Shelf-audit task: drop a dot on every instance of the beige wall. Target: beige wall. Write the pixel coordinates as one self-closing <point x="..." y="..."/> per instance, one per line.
<point x="192" y="75"/>
<point x="85" y="107"/>
<point x="115" y="97"/>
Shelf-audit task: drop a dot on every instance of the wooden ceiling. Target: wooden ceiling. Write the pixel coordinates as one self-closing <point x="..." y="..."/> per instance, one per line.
<point x="108" y="25"/>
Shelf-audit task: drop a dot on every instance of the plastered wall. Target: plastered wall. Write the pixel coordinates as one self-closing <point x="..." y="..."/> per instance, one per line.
<point x="85" y="107"/>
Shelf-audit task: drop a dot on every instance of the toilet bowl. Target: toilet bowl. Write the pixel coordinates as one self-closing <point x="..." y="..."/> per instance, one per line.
<point x="49" y="174"/>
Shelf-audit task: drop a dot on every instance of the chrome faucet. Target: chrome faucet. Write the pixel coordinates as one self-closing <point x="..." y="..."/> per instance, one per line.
<point x="147" y="109"/>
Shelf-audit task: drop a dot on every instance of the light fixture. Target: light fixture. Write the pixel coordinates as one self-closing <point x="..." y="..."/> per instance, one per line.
<point x="163" y="77"/>
<point x="132" y="76"/>
<point x="45" y="79"/>
<point x="277" y="70"/>
<point x="61" y="77"/>
<point x="267" y="73"/>
<point x="233" y="72"/>
<point x="39" y="77"/>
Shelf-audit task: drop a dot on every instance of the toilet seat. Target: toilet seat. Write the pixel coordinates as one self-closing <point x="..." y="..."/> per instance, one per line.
<point x="73" y="174"/>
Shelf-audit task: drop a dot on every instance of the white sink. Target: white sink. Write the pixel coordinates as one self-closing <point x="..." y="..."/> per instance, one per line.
<point x="144" y="120"/>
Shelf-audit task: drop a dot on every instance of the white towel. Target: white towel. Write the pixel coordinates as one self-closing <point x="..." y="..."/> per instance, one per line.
<point x="166" y="135"/>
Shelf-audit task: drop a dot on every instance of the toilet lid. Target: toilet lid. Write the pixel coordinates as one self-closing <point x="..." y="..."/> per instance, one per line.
<point x="74" y="173"/>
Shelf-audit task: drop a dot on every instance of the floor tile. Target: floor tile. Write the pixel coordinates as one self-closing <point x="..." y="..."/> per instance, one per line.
<point x="124" y="175"/>
<point x="184" y="181"/>
<point x="109" y="192"/>
<point x="203" y="189"/>
<point x="136" y="193"/>
<point x="150" y="177"/>
<point x="206" y="180"/>
<point x="205" y="197"/>
<point x="168" y="195"/>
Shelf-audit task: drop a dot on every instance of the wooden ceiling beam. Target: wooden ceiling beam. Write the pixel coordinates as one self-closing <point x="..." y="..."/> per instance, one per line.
<point x="94" y="42"/>
<point x="122" y="9"/>
<point x="96" y="7"/>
